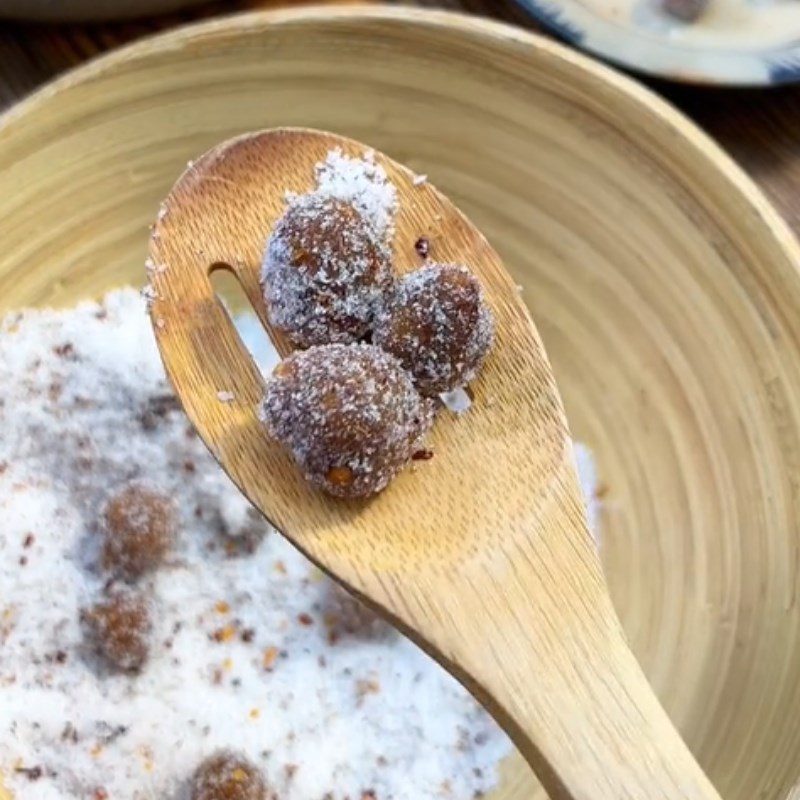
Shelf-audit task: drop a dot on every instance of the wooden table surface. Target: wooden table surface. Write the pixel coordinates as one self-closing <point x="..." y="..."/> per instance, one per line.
<point x="760" y="128"/>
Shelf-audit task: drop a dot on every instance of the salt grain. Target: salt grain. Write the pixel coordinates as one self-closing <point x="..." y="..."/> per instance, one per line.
<point x="419" y="180"/>
<point x="226" y="397"/>
<point x="457" y="401"/>
<point x="89" y="732"/>
<point x="149" y="294"/>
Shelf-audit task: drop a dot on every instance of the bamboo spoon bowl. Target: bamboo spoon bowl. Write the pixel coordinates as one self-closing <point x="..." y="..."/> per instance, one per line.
<point x="433" y="553"/>
<point x="664" y="287"/>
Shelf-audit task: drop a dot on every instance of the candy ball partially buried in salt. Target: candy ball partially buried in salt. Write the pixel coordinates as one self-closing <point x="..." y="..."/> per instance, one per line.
<point x="325" y="271"/>
<point x="227" y="776"/>
<point x="138" y="529"/>
<point x="349" y="414"/>
<point x="437" y="324"/>
<point x="118" y="629"/>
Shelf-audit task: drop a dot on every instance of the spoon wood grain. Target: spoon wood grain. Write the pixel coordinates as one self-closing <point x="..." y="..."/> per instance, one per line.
<point x="481" y="555"/>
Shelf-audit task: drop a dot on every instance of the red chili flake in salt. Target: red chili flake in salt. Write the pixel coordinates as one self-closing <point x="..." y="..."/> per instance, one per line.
<point x="270" y="657"/>
<point x="224" y="634"/>
<point x="305" y="619"/>
<point x="422" y="455"/>
<point x="28" y="540"/>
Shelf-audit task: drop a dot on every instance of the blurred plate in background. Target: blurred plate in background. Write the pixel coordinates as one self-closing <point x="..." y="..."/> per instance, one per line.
<point x="735" y="42"/>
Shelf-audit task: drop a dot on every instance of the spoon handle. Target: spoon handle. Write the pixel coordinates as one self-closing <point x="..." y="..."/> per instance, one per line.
<point x="554" y="669"/>
<point x="591" y="727"/>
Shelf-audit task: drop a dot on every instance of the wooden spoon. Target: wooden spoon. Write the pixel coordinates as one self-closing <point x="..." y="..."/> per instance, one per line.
<point x="481" y="555"/>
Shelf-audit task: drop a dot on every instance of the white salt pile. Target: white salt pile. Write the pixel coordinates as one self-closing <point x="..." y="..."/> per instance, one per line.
<point x="362" y="182"/>
<point x="251" y="647"/>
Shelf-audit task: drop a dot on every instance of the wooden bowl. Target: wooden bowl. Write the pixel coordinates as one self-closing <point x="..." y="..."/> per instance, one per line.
<point x="666" y="288"/>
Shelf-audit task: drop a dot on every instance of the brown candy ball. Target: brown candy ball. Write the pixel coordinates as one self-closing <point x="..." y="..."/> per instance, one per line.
<point x="349" y="414"/>
<point x="228" y="776"/>
<point x="139" y="529"/>
<point x="325" y="271"/>
<point x="437" y="324"/>
<point x="119" y="627"/>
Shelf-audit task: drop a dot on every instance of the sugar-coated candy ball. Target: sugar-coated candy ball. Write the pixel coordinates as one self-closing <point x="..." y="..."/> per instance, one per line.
<point x="325" y="271"/>
<point x="349" y="414"/>
<point x="437" y="324"/>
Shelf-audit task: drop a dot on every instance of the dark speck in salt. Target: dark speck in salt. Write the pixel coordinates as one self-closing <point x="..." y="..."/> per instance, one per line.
<point x="305" y="619"/>
<point x="422" y="455"/>
<point x="54" y="391"/>
<point x="32" y="773"/>
<point x="69" y="734"/>
<point x="157" y="408"/>
<point x="23" y="560"/>
<point x="29" y="540"/>
<point x="248" y="634"/>
<point x="422" y="246"/>
<point x="66" y="350"/>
